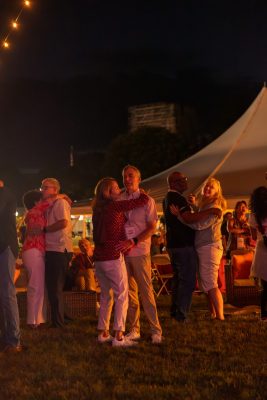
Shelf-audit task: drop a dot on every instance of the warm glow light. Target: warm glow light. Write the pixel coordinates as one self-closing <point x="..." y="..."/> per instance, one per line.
<point x="14" y="24"/>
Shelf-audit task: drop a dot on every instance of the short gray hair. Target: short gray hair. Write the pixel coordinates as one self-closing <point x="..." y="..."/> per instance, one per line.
<point x="53" y="181"/>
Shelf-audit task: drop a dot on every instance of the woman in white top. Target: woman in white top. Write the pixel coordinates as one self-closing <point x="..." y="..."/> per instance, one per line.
<point x="208" y="244"/>
<point x="258" y="226"/>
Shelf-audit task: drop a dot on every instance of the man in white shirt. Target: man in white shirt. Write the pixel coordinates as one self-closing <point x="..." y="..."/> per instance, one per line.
<point x="140" y="225"/>
<point x="58" y="242"/>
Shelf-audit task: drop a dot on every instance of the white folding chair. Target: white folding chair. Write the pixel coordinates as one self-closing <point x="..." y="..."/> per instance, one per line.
<point x="164" y="274"/>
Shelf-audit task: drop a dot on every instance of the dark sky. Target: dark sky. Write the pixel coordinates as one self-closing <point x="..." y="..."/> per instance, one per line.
<point x="65" y="79"/>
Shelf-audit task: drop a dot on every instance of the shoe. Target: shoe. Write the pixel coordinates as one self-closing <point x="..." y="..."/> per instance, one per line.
<point x="157" y="338"/>
<point x="105" y="339"/>
<point x="124" y="342"/>
<point x="133" y="335"/>
<point x="10" y="349"/>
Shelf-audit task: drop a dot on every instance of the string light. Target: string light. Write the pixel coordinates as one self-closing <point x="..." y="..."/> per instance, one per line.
<point x="14" y="25"/>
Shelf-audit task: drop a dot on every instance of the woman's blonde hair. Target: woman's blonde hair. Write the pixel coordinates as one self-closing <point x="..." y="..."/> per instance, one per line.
<point x="104" y="185"/>
<point x="218" y="200"/>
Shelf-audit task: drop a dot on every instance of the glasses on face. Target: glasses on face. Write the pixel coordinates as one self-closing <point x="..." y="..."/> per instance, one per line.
<point x="184" y="179"/>
<point x="45" y="187"/>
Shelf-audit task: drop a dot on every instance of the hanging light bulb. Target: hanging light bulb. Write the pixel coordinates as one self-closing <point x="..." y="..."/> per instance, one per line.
<point x="15" y="25"/>
<point x="5" y="44"/>
<point x="27" y="3"/>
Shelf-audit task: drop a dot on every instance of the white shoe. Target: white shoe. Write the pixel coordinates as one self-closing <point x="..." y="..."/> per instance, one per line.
<point x="105" y="339"/>
<point x="124" y="342"/>
<point x="133" y="335"/>
<point x="156" y="338"/>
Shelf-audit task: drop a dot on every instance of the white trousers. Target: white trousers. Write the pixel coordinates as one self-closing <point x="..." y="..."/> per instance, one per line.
<point x="112" y="278"/>
<point x="34" y="263"/>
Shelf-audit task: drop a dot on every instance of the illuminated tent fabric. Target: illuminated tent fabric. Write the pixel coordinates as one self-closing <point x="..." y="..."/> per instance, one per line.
<point x="238" y="158"/>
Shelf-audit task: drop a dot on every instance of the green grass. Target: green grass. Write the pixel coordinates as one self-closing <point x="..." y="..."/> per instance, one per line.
<point x="200" y="360"/>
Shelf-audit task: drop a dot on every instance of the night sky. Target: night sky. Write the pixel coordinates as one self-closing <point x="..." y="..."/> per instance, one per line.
<point x="75" y="66"/>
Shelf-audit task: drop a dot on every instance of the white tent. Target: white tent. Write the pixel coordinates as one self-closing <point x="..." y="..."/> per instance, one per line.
<point x="238" y="158"/>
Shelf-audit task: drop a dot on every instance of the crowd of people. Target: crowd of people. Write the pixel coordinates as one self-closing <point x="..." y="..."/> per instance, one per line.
<point x="198" y="232"/>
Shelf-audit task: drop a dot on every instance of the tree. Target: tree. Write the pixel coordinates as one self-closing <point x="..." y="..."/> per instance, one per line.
<point x="151" y="149"/>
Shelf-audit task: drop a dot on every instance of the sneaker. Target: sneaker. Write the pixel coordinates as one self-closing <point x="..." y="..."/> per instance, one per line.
<point x="133" y="335"/>
<point x="105" y="339"/>
<point x="124" y="342"/>
<point x="157" y="338"/>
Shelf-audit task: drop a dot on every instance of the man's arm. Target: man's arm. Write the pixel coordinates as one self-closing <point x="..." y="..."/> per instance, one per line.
<point x="148" y="232"/>
<point x="57" y="226"/>
<point x="199" y="216"/>
<point x="192" y="217"/>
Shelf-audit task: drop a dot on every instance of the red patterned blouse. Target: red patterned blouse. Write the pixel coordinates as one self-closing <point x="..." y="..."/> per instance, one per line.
<point x="109" y="226"/>
<point x="35" y="218"/>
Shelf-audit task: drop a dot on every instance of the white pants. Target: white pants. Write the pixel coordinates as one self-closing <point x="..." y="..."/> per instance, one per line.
<point x="112" y="276"/>
<point x="209" y="258"/>
<point x="34" y="263"/>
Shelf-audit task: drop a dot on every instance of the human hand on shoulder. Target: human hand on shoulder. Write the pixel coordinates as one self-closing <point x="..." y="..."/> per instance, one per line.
<point x="191" y="198"/>
<point x="64" y="197"/>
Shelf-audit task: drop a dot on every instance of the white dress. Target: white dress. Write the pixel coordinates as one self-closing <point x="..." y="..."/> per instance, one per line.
<point x="259" y="263"/>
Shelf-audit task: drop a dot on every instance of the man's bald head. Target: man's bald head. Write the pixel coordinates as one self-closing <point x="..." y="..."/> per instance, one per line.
<point x="177" y="181"/>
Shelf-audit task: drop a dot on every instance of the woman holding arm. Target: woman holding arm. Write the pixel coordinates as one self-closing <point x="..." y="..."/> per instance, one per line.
<point x="208" y="243"/>
<point x="108" y="234"/>
<point x="33" y="252"/>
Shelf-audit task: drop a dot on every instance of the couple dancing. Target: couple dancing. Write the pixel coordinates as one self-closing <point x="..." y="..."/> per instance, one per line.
<point x="47" y="251"/>
<point x="194" y="242"/>
<point x="123" y="224"/>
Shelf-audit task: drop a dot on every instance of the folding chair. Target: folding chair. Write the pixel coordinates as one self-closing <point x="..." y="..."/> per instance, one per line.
<point x="164" y="274"/>
<point x="162" y="259"/>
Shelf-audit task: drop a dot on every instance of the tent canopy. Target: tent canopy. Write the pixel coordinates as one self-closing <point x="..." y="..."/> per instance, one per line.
<point x="238" y="158"/>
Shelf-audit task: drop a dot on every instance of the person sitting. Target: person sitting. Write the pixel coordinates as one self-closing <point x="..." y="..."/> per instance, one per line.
<point x="238" y="228"/>
<point x="224" y="231"/>
<point x="82" y="267"/>
<point x="155" y="245"/>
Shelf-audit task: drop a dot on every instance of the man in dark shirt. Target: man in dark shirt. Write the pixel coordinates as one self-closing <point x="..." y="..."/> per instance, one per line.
<point x="9" y="314"/>
<point x="180" y="245"/>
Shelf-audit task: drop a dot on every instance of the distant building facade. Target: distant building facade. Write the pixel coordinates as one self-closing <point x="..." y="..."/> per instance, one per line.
<point x="161" y="115"/>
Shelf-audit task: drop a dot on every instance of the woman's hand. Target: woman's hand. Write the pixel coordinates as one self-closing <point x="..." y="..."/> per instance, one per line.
<point x="64" y="197"/>
<point x="191" y="199"/>
<point x="175" y="210"/>
<point x="124" y="245"/>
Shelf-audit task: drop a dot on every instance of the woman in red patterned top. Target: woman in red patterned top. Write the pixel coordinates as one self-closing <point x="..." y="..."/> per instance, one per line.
<point x="33" y="251"/>
<point x="108" y="223"/>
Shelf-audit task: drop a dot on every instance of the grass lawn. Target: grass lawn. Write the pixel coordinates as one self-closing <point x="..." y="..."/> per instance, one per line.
<point x="200" y="360"/>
